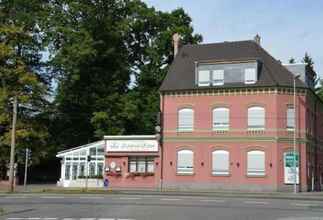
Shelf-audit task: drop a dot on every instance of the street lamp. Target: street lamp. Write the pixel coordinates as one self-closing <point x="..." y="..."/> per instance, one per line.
<point x="295" y="125"/>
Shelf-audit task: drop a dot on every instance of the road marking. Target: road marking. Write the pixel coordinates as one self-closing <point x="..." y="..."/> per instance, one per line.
<point x="106" y="219"/>
<point x="15" y="197"/>
<point x="91" y="197"/>
<point x="130" y="198"/>
<point x="14" y="218"/>
<point x="212" y="200"/>
<point x="126" y="219"/>
<point x="301" y="204"/>
<point x="49" y="218"/>
<point x="33" y="218"/>
<point x="255" y="202"/>
<point x="170" y="199"/>
<point x="52" y="197"/>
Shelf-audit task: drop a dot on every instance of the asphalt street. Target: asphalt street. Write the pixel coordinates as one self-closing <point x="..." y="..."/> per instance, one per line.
<point x="152" y="207"/>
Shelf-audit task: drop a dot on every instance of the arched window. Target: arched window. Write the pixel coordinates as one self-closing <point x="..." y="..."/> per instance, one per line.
<point x="185" y="119"/>
<point x="185" y="162"/>
<point x="256" y="163"/>
<point x="220" y="118"/>
<point x="290" y="115"/>
<point x="220" y="162"/>
<point x="256" y="118"/>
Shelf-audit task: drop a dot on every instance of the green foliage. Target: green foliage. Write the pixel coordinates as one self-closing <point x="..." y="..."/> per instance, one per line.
<point x="98" y="46"/>
<point x="21" y="76"/>
<point x="291" y="60"/>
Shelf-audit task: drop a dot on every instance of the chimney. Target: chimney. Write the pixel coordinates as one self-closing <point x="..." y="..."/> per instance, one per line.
<point x="257" y="39"/>
<point x="176" y="42"/>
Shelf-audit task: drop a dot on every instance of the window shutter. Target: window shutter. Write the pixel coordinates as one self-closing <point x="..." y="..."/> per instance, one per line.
<point x="220" y="162"/>
<point x="220" y="118"/>
<point x="218" y="77"/>
<point x="290" y="117"/>
<point x="256" y="163"/>
<point x="250" y="76"/>
<point x="185" y="119"/>
<point x="204" y="78"/>
<point x="185" y="161"/>
<point x="256" y="118"/>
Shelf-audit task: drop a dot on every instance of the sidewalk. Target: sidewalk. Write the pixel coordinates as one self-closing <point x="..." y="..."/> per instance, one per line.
<point x="53" y="189"/>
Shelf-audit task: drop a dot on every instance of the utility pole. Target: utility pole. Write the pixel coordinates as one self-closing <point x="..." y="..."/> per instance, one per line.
<point x="26" y="168"/>
<point x="13" y="145"/>
<point x="295" y="130"/>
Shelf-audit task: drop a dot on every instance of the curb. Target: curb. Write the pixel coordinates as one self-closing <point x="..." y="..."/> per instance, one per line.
<point x="176" y="193"/>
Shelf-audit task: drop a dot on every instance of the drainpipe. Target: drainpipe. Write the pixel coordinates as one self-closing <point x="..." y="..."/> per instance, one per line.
<point x="161" y="142"/>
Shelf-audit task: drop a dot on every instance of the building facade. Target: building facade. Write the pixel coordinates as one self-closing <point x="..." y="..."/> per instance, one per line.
<point x="228" y="121"/>
<point x="232" y="118"/>
<point x="132" y="161"/>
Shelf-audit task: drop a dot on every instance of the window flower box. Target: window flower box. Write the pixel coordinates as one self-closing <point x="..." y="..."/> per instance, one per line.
<point x="134" y="174"/>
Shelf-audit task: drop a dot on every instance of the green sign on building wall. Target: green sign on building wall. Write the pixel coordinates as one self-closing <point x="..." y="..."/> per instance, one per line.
<point x="289" y="168"/>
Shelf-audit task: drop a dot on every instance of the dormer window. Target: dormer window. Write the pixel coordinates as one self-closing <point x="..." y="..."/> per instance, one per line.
<point x="218" y="74"/>
<point x="217" y="77"/>
<point x="204" y="77"/>
<point x="250" y="76"/>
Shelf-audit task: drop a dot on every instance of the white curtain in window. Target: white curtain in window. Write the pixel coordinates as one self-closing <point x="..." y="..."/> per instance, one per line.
<point x="220" y="162"/>
<point x="218" y="77"/>
<point x="185" y="161"/>
<point x="256" y="163"/>
<point x="290" y="117"/>
<point x="185" y="119"/>
<point x="220" y="118"/>
<point x="250" y="75"/>
<point x="204" y="78"/>
<point x="256" y="117"/>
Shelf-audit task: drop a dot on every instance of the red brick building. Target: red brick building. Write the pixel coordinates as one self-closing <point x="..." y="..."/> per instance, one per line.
<point x="228" y="121"/>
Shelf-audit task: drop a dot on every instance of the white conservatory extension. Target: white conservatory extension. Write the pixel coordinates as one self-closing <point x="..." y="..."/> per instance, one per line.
<point x="78" y="170"/>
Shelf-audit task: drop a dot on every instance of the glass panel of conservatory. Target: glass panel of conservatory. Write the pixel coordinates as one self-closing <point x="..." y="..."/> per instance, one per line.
<point x="82" y="169"/>
<point x="67" y="171"/>
<point x="74" y="171"/>
<point x="92" y="169"/>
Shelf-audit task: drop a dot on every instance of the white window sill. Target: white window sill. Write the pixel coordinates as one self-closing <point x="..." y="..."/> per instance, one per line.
<point x="220" y="128"/>
<point x="185" y="174"/>
<point x="220" y="174"/>
<point x="184" y="131"/>
<point x="256" y="129"/>
<point x="254" y="175"/>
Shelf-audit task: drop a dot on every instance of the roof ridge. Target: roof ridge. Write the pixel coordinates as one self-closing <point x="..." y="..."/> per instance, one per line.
<point x="217" y="43"/>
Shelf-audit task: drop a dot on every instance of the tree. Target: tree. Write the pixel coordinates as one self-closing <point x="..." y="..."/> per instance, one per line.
<point x="98" y="47"/>
<point x="291" y="60"/>
<point x="21" y="76"/>
<point x="92" y="69"/>
<point x="151" y="53"/>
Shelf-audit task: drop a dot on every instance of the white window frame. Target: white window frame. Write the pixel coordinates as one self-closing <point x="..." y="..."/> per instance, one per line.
<point x="259" y="126"/>
<point x="216" y="170"/>
<point x="250" y="75"/>
<point x="183" y="126"/>
<point x="204" y="82"/>
<point x="222" y="126"/>
<point x="187" y="169"/>
<point x="137" y="162"/>
<point x="217" y="77"/>
<point x="253" y="170"/>
<point x="290" y="119"/>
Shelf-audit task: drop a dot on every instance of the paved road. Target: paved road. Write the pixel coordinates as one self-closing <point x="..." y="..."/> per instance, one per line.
<point x="153" y="207"/>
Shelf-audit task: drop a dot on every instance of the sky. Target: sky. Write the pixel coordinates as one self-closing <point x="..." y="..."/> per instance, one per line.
<point x="288" y="28"/>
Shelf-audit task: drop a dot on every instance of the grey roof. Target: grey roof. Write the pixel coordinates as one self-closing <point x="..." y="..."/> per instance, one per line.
<point x="181" y="74"/>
